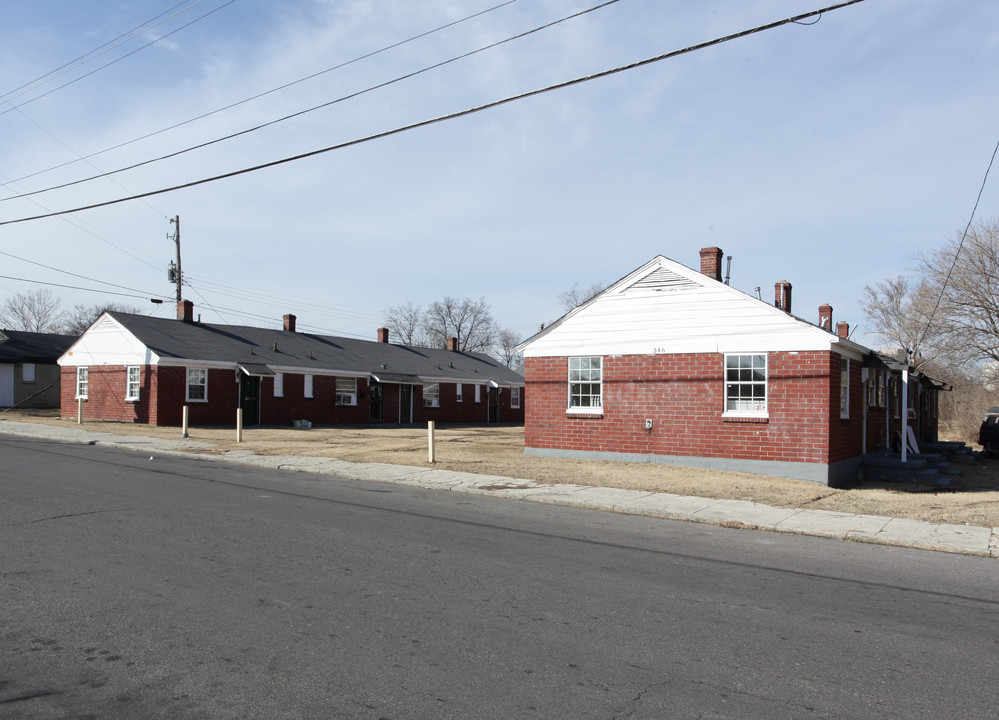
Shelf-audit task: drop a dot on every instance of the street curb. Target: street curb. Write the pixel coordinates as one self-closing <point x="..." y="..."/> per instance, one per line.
<point x="873" y="529"/>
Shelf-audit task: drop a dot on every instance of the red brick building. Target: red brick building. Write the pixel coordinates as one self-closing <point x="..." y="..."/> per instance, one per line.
<point x="671" y="365"/>
<point x="133" y="368"/>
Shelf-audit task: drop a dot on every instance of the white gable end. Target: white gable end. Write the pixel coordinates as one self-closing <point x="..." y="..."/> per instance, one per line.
<point x="106" y="342"/>
<point x="665" y="307"/>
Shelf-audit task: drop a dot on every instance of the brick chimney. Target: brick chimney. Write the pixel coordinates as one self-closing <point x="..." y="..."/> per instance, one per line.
<point x="383" y="335"/>
<point x="782" y="296"/>
<point x="825" y="317"/>
<point x="185" y="311"/>
<point x="289" y="322"/>
<point x="711" y="262"/>
<point x="843" y="329"/>
<point x="452" y="344"/>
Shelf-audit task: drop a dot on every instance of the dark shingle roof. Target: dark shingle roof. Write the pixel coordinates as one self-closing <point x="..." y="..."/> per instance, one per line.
<point x="21" y="346"/>
<point x="281" y="348"/>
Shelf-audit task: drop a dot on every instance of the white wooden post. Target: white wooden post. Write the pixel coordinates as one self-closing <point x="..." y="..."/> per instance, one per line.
<point x="183" y="433"/>
<point x="905" y="413"/>
<point x="239" y="425"/>
<point x="79" y="411"/>
<point x="430" y="439"/>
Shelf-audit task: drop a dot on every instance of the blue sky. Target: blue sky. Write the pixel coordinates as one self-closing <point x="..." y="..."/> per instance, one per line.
<point x="827" y="155"/>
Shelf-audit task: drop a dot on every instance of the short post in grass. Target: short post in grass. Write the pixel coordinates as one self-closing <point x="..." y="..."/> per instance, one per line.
<point x="430" y="440"/>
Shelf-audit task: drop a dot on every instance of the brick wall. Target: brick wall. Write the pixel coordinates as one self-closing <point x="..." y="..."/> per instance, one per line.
<point x="683" y="395"/>
<point x="106" y="395"/>
<point x="163" y="395"/>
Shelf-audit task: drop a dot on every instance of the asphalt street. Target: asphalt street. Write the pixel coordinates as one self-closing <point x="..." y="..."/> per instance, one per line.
<point x="171" y="587"/>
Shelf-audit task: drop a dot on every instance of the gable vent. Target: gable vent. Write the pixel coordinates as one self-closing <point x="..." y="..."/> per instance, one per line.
<point x="662" y="279"/>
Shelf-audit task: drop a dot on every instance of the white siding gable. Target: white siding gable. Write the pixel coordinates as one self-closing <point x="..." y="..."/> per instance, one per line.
<point x="106" y="342"/>
<point x="665" y="307"/>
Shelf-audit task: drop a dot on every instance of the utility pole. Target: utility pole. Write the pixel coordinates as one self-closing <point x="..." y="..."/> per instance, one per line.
<point x="174" y="273"/>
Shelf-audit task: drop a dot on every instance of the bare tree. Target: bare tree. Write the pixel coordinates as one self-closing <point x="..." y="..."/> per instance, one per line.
<point x="576" y="296"/>
<point x="470" y="321"/>
<point x="506" y="346"/>
<point x="947" y="316"/>
<point x="82" y="317"/>
<point x="899" y="311"/>
<point x="36" y="311"/>
<point x="966" y="273"/>
<point x="405" y="323"/>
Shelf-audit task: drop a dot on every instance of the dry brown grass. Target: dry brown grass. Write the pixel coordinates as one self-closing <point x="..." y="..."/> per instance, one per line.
<point x="972" y="499"/>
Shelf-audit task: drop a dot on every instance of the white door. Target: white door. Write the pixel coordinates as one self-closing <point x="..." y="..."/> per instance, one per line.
<point x="6" y="385"/>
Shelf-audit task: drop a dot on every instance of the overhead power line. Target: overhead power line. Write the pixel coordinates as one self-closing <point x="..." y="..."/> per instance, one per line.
<point x="960" y="247"/>
<point x="343" y="98"/>
<point x="97" y="52"/>
<point x="116" y="60"/>
<point x="77" y="287"/>
<point x="455" y="115"/>
<point x="268" y="92"/>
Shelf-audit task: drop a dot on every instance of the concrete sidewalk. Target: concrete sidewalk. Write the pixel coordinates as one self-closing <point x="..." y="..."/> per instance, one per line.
<point x="964" y="539"/>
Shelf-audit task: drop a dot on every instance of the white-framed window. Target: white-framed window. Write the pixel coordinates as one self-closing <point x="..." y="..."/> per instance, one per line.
<point x="197" y="385"/>
<point x="346" y="391"/>
<point x="457" y="392"/>
<point x="28" y="372"/>
<point x="132" y="376"/>
<point x="586" y="383"/>
<point x="876" y="391"/>
<point x="82" y="382"/>
<point x="746" y="384"/>
<point x="844" y="388"/>
<point x="431" y="395"/>
<point x="515" y="397"/>
<point x="278" y="384"/>
<point x="308" y="386"/>
<point x="478" y="393"/>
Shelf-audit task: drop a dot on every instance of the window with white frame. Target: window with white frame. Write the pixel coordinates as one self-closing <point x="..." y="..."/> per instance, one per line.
<point x="876" y="390"/>
<point x="431" y="395"/>
<point x="82" y="382"/>
<point x="197" y="385"/>
<point x="308" y="386"/>
<point x="746" y="384"/>
<point x="515" y="397"/>
<point x="585" y="383"/>
<point x="478" y="393"/>
<point x="278" y="384"/>
<point x="28" y="372"/>
<point x="346" y="391"/>
<point x="844" y="388"/>
<point x="132" y="376"/>
<point x="457" y="392"/>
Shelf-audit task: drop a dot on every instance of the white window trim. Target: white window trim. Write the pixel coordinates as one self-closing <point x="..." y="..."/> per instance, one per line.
<point x="26" y="376"/>
<point x="745" y="413"/>
<point x="307" y="390"/>
<point x="82" y="373"/>
<point x="478" y="393"/>
<point x="131" y="396"/>
<point x="345" y="396"/>
<point x="458" y="392"/>
<point x="278" y="385"/>
<point x="187" y="391"/>
<point x="584" y="409"/>
<point x="431" y="395"/>
<point x="515" y="398"/>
